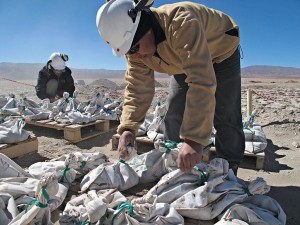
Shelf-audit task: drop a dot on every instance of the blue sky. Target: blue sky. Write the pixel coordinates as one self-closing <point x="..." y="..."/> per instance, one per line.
<point x="32" y="29"/>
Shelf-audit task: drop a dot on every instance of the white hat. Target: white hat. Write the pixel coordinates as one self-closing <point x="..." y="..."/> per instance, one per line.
<point x="58" y="61"/>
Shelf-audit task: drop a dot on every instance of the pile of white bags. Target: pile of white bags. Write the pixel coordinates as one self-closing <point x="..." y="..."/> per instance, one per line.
<point x="209" y="192"/>
<point x="28" y="200"/>
<point x="65" y="110"/>
<point x="91" y="207"/>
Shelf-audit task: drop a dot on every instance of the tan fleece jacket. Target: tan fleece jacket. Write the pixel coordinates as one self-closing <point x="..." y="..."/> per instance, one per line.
<point x="195" y="39"/>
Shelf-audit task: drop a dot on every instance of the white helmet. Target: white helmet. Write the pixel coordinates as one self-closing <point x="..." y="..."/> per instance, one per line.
<point x="115" y="25"/>
<point x="57" y="61"/>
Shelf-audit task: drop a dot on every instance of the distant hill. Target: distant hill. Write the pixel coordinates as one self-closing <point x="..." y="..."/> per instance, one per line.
<point x="29" y="71"/>
<point x="271" y="71"/>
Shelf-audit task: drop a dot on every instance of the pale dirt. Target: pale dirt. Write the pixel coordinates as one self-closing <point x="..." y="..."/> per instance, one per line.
<point x="278" y="112"/>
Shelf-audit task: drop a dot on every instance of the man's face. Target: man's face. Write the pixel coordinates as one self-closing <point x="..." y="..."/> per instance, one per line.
<point x="145" y="48"/>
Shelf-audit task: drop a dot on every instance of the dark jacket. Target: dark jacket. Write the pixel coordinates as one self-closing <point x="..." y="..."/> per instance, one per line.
<point x="65" y="83"/>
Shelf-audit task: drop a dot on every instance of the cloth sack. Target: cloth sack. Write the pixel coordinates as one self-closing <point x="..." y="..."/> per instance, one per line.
<point x="175" y="184"/>
<point x="61" y="169"/>
<point x="95" y="105"/>
<point x="37" y="209"/>
<point x="11" y="131"/>
<point x="148" y="166"/>
<point x="110" y="175"/>
<point x="23" y="191"/>
<point x="221" y="190"/>
<point x="156" y="127"/>
<point x="8" y="168"/>
<point x="255" y="139"/>
<point x="83" y="162"/>
<point x="105" y="114"/>
<point x="143" y="213"/>
<point x="76" y="117"/>
<point x="90" y="207"/>
<point x="11" y="107"/>
<point x="147" y="210"/>
<point x="256" y="209"/>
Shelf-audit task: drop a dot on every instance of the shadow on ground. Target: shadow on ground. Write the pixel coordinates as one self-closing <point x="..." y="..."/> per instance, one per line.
<point x="288" y="197"/>
<point x="270" y="162"/>
<point x="28" y="160"/>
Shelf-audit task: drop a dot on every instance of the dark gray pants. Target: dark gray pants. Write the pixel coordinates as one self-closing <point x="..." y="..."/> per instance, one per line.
<point x="230" y="139"/>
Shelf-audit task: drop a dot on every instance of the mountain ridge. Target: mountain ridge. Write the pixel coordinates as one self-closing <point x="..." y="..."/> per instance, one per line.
<point x="29" y="71"/>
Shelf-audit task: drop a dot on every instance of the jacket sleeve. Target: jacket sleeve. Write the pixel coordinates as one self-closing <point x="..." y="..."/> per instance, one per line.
<point x="70" y="88"/>
<point x="40" y="88"/>
<point x="138" y="95"/>
<point x="190" y="44"/>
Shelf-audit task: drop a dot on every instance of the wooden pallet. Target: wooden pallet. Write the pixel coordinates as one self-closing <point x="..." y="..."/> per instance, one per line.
<point x="75" y="132"/>
<point x="145" y="141"/>
<point x="260" y="157"/>
<point x="21" y="148"/>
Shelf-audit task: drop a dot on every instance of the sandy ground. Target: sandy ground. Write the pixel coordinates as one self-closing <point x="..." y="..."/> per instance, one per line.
<point x="277" y="102"/>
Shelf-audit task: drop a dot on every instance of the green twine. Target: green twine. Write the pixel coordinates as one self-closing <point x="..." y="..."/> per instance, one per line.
<point x="45" y="194"/>
<point x="121" y="208"/>
<point x="246" y="190"/>
<point x="83" y="164"/>
<point x="203" y="178"/>
<point x="64" y="173"/>
<point x="169" y="145"/>
<point x="86" y="222"/>
<point x="37" y="203"/>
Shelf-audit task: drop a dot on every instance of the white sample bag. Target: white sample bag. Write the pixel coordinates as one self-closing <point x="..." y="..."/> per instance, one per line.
<point x="256" y="209"/>
<point x="90" y="207"/>
<point x="83" y="162"/>
<point x="11" y="131"/>
<point x="221" y="189"/>
<point x="110" y="175"/>
<point x="37" y="210"/>
<point x="255" y="139"/>
<point x="8" y="168"/>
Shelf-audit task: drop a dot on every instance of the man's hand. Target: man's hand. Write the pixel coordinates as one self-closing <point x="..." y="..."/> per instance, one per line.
<point x="189" y="155"/>
<point x="127" y="138"/>
<point x="54" y="99"/>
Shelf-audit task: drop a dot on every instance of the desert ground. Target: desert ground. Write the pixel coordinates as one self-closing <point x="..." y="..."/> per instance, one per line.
<point x="277" y="105"/>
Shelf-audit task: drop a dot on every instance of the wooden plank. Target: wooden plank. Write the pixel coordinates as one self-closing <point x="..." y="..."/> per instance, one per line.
<point x="260" y="157"/>
<point x="75" y="132"/>
<point x="21" y="148"/>
<point x="47" y="123"/>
